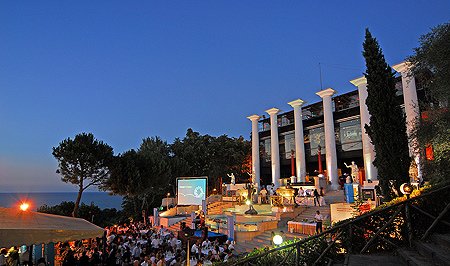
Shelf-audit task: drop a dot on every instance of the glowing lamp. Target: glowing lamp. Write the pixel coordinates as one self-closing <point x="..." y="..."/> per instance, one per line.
<point x="406" y="189"/>
<point x="248" y="202"/>
<point x="277" y="239"/>
<point x="24" y="206"/>
<point x="168" y="194"/>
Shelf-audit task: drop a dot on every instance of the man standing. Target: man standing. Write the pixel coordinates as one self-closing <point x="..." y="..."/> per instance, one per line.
<point x="316" y="197"/>
<point x="319" y="219"/>
<point x="263" y="196"/>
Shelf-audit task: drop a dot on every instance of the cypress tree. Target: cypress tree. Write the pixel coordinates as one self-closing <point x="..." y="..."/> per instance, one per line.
<point x="387" y="129"/>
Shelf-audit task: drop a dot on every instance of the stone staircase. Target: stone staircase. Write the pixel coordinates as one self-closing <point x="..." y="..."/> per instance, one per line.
<point x="264" y="240"/>
<point x="310" y="211"/>
<point x="435" y="251"/>
<point x="218" y="206"/>
<point x="300" y="213"/>
<point x="177" y="226"/>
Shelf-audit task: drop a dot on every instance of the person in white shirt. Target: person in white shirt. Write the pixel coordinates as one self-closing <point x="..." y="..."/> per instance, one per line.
<point x="301" y="192"/>
<point x="136" y="252"/>
<point x="194" y="249"/>
<point x="155" y="242"/>
<point x="263" y="196"/>
<point x="146" y="261"/>
<point x="319" y="219"/>
<point x="206" y="244"/>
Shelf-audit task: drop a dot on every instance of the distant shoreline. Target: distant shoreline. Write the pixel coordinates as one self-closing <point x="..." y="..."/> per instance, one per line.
<point x="101" y="199"/>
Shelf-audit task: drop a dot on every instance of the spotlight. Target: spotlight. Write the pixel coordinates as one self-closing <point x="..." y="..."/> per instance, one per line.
<point x="248" y="202"/>
<point x="277" y="239"/>
<point x="24" y="206"/>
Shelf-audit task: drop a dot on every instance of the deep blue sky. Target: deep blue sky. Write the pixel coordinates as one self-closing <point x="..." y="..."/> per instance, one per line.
<point x="125" y="70"/>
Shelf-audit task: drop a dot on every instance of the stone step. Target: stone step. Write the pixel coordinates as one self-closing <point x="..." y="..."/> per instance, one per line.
<point x="442" y="240"/>
<point x="177" y="226"/>
<point x="412" y="258"/>
<point x="434" y="252"/>
<point x="369" y="260"/>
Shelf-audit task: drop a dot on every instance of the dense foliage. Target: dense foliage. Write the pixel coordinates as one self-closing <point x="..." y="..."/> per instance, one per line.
<point x="83" y="161"/>
<point x="145" y="176"/>
<point x="92" y="213"/>
<point x="387" y="129"/>
<point x="431" y="64"/>
<point x="214" y="157"/>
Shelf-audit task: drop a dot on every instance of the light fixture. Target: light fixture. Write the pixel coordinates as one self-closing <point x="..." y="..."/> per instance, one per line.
<point x="24" y="206"/>
<point x="248" y="202"/>
<point x="277" y="239"/>
<point x="406" y="189"/>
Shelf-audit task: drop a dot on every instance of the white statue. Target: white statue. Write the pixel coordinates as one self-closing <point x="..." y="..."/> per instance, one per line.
<point x="252" y="177"/>
<point x="233" y="179"/>
<point x="355" y="171"/>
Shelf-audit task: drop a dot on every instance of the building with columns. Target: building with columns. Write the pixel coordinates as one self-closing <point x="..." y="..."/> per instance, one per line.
<point x="335" y="123"/>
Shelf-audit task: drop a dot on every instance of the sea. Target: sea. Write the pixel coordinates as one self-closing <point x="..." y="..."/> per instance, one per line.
<point x="37" y="199"/>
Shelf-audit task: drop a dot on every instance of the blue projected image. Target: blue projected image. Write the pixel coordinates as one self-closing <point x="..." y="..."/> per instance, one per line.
<point x="191" y="191"/>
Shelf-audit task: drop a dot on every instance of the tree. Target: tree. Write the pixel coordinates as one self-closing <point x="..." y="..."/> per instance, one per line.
<point x="143" y="177"/>
<point x="83" y="162"/>
<point x="431" y="64"/>
<point x="193" y="153"/>
<point x="156" y="170"/>
<point x="387" y="129"/>
<point x="229" y="155"/>
<point x="215" y="157"/>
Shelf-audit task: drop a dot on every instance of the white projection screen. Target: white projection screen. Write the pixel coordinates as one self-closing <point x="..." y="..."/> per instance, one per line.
<point x="191" y="190"/>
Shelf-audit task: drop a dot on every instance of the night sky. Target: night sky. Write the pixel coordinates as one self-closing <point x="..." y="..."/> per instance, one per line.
<point x="126" y="70"/>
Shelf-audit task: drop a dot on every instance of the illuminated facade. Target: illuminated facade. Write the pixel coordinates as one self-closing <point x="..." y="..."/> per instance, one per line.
<point x="334" y="124"/>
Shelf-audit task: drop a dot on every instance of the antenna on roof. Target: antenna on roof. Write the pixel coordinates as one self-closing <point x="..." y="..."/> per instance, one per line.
<point x="320" y="73"/>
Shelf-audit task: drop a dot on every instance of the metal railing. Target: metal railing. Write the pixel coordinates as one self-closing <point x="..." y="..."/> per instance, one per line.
<point x="382" y="229"/>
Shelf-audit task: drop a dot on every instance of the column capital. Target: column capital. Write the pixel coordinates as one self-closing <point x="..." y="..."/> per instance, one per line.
<point x="254" y="117"/>
<point x="273" y="111"/>
<point x="327" y="92"/>
<point x="295" y="103"/>
<point x="359" y="81"/>
<point x="403" y="67"/>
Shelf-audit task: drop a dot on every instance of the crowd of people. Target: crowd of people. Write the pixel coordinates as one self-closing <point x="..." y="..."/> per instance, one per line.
<point x="140" y="245"/>
<point x="14" y="256"/>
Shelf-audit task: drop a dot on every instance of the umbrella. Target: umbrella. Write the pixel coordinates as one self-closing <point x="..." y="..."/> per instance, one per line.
<point x="27" y="227"/>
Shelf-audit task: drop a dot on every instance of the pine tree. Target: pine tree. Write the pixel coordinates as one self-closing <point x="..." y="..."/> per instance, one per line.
<point x="387" y="129"/>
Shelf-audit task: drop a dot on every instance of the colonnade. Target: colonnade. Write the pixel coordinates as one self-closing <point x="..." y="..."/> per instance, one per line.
<point x="411" y="110"/>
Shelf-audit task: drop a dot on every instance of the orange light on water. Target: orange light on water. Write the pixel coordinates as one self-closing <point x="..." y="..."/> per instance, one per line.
<point x="24" y="206"/>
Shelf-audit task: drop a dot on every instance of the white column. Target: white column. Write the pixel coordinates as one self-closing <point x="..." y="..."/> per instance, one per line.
<point x="330" y="138"/>
<point x="364" y="116"/>
<point x="274" y="146"/>
<point x="411" y="108"/>
<point x="255" y="151"/>
<point x="300" y="163"/>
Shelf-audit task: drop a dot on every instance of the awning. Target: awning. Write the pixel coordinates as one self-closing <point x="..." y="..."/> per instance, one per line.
<point x="19" y="227"/>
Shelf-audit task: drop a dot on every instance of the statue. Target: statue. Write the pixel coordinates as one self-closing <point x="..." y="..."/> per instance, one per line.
<point x="233" y="179"/>
<point x="252" y="177"/>
<point x="355" y="171"/>
<point x="250" y="190"/>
